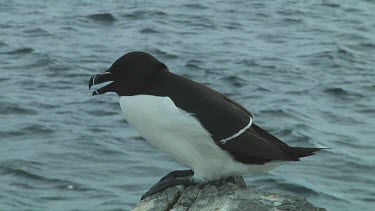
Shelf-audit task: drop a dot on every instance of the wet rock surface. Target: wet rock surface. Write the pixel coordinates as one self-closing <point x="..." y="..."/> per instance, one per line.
<point x="230" y="194"/>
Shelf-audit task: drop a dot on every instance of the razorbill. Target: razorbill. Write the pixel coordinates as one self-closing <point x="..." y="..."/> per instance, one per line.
<point x="197" y="126"/>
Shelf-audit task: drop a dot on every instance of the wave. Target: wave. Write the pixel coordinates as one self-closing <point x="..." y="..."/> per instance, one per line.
<point x="235" y="81"/>
<point x="102" y="17"/>
<point x="341" y="93"/>
<point x="142" y="14"/>
<point x="149" y="31"/>
<point x="19" y="51"/>
<point x="12" y="108"/>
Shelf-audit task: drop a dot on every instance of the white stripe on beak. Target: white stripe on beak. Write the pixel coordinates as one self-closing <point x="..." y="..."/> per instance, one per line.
<point x="93" y="80"/>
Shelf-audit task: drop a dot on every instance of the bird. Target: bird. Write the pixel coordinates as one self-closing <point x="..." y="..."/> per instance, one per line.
<point x="202" y="129"/>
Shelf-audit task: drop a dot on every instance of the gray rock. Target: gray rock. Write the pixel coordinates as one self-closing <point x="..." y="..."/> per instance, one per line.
<point x="230" y="194"/>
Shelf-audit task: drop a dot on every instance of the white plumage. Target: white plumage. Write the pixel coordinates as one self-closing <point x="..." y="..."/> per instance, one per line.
<point x="180" y="135"/>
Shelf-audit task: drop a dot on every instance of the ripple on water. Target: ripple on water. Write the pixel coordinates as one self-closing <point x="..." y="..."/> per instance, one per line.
<point x="369" y="88"/>
<point x="348" y="142"/>
<point x="330" y="4"/>
<point x="279" y="113"/>
<point x="149" y="31"/>
<point x="43" y="105"/>
<point x="21" y="163"/>
<point x="289" y="20"/>
<point x="366" y="111"/>
<point x="25" y="50"/>
<point x="36" y="32"/>
<point x="4" y="79"/>
<point x="26" y="178"/>
<point x="261" y="89"/>
<point x="37" y="129"/>
<point x="100" y="112"/>
<point x="105" y="18"/>
<point x="234" y="81"/>
<point x="336" y="57"/>
<point x="248" y="62"/>
<point x="342" y="94"/>
<point x="195" y="6"/>
<point x="297" y="189"/>
<point x="163" y="54"/>
<point x="285" y="186"/>
<point x="3" y="44"/>
<point x="8" y="108"/>
<point x="339" y="92"/>
<point x="142" y="14"/>
<point x="193" y="64"/>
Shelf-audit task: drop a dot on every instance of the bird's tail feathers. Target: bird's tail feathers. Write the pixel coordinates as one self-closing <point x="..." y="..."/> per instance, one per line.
<point x="298" y="152"/>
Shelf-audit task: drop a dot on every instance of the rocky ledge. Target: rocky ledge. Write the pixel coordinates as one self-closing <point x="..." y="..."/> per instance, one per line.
<point x="229" y="194"/>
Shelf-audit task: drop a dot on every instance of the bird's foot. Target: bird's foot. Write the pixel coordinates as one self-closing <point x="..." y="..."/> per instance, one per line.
<point x="177" y="173"/>
<point x="174" y="178"/>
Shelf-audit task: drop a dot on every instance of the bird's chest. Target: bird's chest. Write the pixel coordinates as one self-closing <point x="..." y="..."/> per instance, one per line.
<point x="171" y="129"/>
<point x="155" y="117"/>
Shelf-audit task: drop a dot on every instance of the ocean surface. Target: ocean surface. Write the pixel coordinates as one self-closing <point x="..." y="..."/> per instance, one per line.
<point x="306" y="69"/>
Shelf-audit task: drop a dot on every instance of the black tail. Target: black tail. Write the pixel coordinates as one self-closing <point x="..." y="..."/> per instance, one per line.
<point x="299" y="152"/>
<point x="294" y="152"/>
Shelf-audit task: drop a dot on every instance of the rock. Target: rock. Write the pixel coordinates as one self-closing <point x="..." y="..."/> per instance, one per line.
<point x="230" y="194"/>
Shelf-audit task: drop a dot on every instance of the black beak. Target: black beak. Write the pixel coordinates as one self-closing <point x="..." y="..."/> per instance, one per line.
<point x="101" y="78"/>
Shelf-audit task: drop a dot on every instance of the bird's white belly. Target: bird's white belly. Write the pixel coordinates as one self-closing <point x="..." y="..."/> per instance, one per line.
<point x="180" y="135"/>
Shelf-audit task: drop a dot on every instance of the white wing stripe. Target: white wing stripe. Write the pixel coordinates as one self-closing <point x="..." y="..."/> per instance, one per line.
<point x="223" y="141"/>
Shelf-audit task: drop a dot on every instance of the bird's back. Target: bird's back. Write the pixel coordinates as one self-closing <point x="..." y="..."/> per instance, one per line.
<point x="219" y="115"/>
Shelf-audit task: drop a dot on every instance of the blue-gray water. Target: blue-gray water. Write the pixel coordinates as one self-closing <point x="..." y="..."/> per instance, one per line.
<point x="304" y="68"/>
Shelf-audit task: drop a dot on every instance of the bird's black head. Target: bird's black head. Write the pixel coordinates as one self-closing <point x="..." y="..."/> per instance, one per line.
<point x="131" y="74"/>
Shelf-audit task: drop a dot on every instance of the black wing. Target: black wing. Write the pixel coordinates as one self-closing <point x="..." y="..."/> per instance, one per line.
<point x="257" y="146"/>
<point x="251" y="148"/>
<point x="223" y="118"/>
<point x="219" y="115"/>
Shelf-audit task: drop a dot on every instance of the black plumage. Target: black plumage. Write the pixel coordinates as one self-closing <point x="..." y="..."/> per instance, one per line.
<point x="222" y="118"/>
<point x="138" y="73"/>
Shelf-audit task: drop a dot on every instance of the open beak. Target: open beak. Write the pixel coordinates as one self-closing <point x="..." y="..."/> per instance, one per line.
<point x="101" y="78"/>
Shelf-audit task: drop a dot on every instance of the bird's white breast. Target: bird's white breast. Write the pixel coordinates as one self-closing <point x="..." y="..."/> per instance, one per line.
<point x="180" y="135"/>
